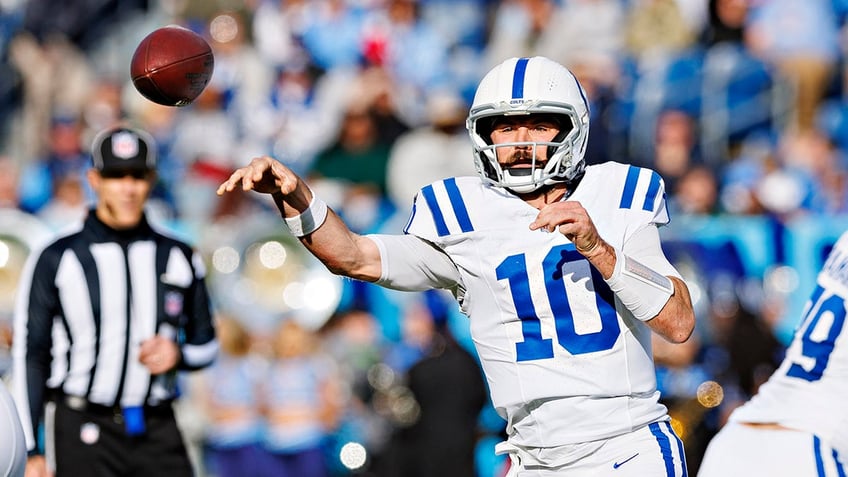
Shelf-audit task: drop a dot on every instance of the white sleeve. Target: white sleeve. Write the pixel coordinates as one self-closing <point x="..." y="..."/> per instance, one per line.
<point x="645" y="247"/>
<point x="410" y="263"/>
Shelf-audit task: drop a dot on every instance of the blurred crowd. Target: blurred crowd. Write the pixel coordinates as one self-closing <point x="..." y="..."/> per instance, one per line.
<point x="740" y="105"/>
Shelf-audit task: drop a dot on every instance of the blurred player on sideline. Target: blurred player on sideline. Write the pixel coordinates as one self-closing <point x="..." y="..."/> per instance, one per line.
<point x="797" y="423"/>
<point x="557" y="264"/>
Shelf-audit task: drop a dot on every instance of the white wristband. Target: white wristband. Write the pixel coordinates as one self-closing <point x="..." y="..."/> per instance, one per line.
<point x="309" y="220"/>
<point x="642" y="290"/>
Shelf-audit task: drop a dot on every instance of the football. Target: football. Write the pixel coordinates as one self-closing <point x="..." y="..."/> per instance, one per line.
<point x="172" y="65"/>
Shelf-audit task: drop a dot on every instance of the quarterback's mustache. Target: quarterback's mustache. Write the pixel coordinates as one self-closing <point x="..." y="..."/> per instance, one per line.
<point x="522" y="157"/>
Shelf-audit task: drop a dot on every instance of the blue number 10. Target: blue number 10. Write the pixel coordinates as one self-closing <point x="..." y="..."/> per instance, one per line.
<point x="514" y="270"/>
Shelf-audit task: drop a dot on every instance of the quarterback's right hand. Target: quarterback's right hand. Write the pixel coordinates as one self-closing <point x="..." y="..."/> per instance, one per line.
<point x="263" y="174"/>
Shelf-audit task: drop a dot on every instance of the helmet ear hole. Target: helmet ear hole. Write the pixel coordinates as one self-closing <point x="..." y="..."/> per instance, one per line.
<point x="484" y="127"/>
<point x="566" y="126"/>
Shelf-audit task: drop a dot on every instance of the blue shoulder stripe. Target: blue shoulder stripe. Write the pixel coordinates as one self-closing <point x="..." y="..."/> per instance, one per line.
<point x="629" y="193"/>
<point x="458" y="205"/>
<point x="629" y="188"/>
<point x="433" y="204"/>
<point x="653" y="189"/>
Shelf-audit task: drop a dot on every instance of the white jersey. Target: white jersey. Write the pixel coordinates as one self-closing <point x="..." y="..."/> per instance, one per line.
<point x="565" y="361"/>
<point x="808" y="391"/>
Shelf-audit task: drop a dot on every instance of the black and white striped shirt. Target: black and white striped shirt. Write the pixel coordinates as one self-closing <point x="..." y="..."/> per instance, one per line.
<point x="89" y="299"/>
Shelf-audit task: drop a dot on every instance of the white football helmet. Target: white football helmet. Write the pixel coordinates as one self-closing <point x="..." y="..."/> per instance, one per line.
<point x="522" y="86"/>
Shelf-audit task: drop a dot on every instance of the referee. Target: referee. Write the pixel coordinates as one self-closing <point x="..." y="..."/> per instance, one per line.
<point x="106" y="316"/>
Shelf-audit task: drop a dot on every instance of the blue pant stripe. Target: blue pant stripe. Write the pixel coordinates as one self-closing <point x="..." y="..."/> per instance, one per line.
<point x="840" y="469"/>
<point x="679" y="449"/>
<point x="818" y="454"/>
<point x="665" y="448"/>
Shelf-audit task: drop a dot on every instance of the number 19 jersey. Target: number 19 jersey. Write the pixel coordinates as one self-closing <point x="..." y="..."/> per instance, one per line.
<point x="565" y="361"/>
<point x="809" y="390"/>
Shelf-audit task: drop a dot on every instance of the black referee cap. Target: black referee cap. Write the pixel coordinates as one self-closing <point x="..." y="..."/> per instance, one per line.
<point x="123" y="150"/>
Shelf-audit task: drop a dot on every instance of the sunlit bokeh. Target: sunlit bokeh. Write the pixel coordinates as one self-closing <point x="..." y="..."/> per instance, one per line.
<point x="781" y="279"/>
<point x="710" y="394"/>
<point x="223" y="28"/>
<point x="225" y="259"/>
<point x="353" y="455"/>
<point x="272" y="254"/>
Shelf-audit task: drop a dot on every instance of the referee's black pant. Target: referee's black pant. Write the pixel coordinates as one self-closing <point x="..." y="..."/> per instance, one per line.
<point x="92" y="441"/>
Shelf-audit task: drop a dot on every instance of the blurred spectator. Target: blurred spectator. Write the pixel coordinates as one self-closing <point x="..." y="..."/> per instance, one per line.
<point x="83" y="23"/>
<point x="241" y="74"/>
<point x="675" y="146"/>
<point x="277" y="27"/>
<point x="752" y="351"/>
<point x="228" y="394"/>
<point x="206" y="143"/>
<point x="590" y="33"/>
<point x="332" y="33"/>
<point x="696" y="192"/>
<point x="740" y="177"/>
<point x="9" y="176"/>
<point x="657" y="28"/>
<point x="56" y="79"/>
<point x="522" y="28"/>
<point x="352" y="338"/>
<point x="801" y="39"/>
<point x="411" y="51"/>
<point x="460" y="23"/>
<point x="726" y="22"/>
<point x="68" y="203"/>
<point x="440" y="424"/>
<point x="358" y="156"/>
<point x="301" y="399"/>
<point x="65" y="156"/>
<point x="811" y="157"/>
<point x="377" y="90"/>
<point x="430" y="152"/>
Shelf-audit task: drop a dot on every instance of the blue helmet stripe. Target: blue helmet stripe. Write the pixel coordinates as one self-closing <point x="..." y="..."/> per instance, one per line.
<point x="518" y="78"/>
